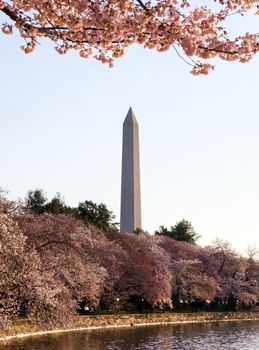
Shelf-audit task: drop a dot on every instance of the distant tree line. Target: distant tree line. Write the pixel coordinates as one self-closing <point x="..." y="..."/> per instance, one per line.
<point x="87" y="211"/>
<point x="100" y="216"/>
<point x="54" y="266"/>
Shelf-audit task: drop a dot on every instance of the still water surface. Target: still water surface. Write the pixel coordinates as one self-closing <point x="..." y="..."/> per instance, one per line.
<point x="206" y="336"/>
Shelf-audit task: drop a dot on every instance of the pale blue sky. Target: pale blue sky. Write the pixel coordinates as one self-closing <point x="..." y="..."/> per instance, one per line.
<point x="61" y="130"/>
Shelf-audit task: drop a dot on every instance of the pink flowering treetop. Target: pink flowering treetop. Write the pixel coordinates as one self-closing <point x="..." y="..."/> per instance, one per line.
<point x="104" y="29"/>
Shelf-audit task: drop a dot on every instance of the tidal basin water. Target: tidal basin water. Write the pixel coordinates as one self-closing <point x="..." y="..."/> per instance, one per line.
<point x="205" y="336"/>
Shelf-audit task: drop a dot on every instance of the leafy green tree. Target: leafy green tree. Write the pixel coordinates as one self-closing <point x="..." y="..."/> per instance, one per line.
<point x="97" y="214"/>
<point x="163" y="231"/>
<point x="181" y="231"/>
<point x="88" y="211"/>
<point x="57" y="205"/>
<point x="139" y="231"/>
<point x="36" y="201"/>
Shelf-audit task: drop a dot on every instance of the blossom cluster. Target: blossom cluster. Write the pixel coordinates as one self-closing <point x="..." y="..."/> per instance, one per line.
<point x="105" y="29"/>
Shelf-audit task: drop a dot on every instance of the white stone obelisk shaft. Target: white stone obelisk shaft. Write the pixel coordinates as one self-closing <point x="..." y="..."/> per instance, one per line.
<point x="130" y="218"/>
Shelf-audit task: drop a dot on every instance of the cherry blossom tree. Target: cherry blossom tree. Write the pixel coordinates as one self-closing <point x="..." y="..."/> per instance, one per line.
<point x="144" y="275"/>
<point x="24" y="283"/>
<point x="104" y="29"/>
<point x="67" y="249"/>
<point x="180" y="250"/>
<point x="47" y="265"/>
<point x="193" y="282"/>
<point x="190" y="265"/>
<point x="237" y="276"/>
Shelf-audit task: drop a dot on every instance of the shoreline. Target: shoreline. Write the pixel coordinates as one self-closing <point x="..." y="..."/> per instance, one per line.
<point x="23" y="328"/>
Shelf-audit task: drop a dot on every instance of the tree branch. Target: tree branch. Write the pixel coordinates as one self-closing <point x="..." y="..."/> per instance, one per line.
<point x="10" y="13"/>
<point x="143" y="5"/>
<point x="216" y="49"/>
<point x="59" y="242"/>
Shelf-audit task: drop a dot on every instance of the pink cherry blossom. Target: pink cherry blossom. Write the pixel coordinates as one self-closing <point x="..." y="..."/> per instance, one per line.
<point x="104" y="30"/>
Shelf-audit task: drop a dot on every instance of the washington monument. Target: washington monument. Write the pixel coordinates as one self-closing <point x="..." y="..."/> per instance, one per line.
<point x="130" y="218"/>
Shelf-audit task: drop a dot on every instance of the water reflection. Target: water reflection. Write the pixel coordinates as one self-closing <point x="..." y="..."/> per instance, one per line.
<point x="207" y="336"/>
